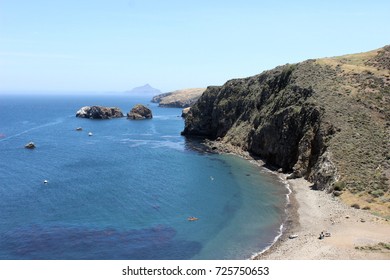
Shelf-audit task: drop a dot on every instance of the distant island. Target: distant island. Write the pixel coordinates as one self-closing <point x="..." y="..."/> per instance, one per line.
<point x="146" y="90"/>
<point x="179" y="98"/>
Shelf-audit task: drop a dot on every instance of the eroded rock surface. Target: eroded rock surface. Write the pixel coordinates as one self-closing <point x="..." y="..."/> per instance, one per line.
<point x="99" y="112"/>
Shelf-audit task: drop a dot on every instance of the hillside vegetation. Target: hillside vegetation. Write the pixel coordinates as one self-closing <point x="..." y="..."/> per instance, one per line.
<point x="327" y="120"/>
<point x="179" y="98"/>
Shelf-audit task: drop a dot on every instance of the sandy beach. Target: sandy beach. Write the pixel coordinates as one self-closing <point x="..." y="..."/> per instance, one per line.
<point x="312" y="212"/>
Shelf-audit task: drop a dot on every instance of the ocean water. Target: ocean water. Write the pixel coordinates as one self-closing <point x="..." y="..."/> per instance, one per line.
<point x="125" y="192"/>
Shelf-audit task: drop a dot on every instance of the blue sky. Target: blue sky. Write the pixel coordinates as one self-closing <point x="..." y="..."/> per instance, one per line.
<point x="115" y="45"/>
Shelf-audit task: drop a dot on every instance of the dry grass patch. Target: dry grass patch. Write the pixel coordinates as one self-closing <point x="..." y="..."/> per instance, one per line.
<point x="378" y="206"/>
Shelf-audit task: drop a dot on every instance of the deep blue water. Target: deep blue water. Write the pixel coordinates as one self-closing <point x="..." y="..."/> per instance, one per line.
<point x="126" y="191"/>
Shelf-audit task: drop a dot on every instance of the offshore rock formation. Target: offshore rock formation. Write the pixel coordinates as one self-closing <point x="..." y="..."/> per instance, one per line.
<point x="99" y="112"/>
<point x="327" y="120"/>
<point x="179" y="98"/>
<point x="140" y="112"/>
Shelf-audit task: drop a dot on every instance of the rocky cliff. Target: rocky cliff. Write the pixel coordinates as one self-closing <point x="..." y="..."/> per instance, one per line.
<point x="327" y="120"/>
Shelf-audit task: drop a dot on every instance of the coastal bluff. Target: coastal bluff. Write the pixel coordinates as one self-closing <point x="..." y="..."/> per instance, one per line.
<point x="179" y="98"/>
<point x="99" y="112"/>
<point x="326" y="120"/>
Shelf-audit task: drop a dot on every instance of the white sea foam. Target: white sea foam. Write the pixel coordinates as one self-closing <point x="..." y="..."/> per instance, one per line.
<point x="171" y="136"/>
<point x="284" y="181"/>
<point x="270" y="245"/>
<point x="153" y="144"/>
<point x="166" y="117"/>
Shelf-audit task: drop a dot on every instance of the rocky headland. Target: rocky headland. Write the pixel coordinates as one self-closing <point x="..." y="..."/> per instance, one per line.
<point x="179" y="99"/>
<point x="326" y="120"/>
<point x="140" y="112"/>
<point x="99" y="112"/>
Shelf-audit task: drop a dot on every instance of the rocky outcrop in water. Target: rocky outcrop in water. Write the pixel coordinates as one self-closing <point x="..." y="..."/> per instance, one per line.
<point x="140" y="112"/>
<point x="99" y="112"/>
<point x="314" y="119"/>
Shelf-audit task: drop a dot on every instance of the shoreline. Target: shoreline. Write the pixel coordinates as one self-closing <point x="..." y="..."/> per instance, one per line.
<point x="350" y="228"/>
<point x="290" y="221"/>
<point x="354" y="233"/>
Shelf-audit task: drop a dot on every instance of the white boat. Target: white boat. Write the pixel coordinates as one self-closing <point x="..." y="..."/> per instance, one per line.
<point x="90" y="134"/>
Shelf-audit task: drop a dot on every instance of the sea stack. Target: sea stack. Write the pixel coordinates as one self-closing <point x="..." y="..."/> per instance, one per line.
<point x="99" y="112"/>
<point x="140" y="112"/>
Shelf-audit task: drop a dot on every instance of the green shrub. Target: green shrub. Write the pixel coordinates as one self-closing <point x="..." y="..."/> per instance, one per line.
<point x="385" y="245"/>
<point x="339" y="186"/>
<point x="377" y="193"/>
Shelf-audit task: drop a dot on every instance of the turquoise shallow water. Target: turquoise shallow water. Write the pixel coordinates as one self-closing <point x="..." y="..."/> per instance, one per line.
<point x="125" y="192"/>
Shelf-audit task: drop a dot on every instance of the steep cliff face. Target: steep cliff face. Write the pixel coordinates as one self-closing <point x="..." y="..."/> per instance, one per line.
<point x="308" y="118"/>
<point x="270" y="115"/>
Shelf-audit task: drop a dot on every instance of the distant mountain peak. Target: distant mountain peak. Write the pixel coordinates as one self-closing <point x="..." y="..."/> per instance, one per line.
<point x="146" y="89"/>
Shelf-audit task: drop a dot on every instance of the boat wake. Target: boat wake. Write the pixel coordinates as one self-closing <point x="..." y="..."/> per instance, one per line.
<point x="56" y="122"/>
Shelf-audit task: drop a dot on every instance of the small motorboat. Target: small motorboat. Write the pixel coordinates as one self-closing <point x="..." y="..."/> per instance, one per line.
<point x="191" y="219"/>
<point x="30" y="145"/>
<point x="45" y="182"/>
<point x="79" y="129"/>
<point x="90" y="134"/>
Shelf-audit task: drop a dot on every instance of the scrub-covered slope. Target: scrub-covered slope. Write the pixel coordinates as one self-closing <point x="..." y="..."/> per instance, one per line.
<point x="327" y="120"/>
